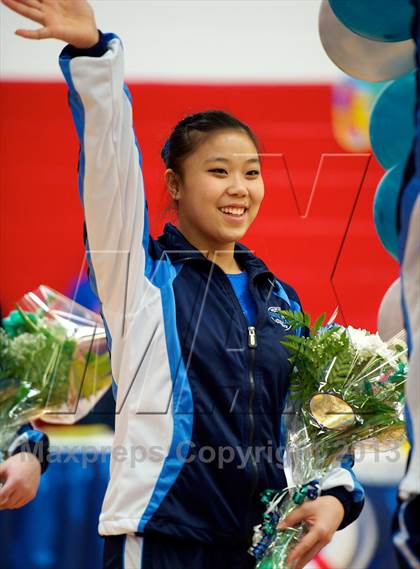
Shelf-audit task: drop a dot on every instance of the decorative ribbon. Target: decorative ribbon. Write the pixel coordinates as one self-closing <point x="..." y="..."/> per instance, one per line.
<point x="16" y="324"/>
<point x="265" y="533"/>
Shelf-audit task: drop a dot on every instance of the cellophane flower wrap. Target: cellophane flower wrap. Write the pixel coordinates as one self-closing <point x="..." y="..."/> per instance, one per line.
<point x="347" y="390"/>
<point x="54" y="362"/>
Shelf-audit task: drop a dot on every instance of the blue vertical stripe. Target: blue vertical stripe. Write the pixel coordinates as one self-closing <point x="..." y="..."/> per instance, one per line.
<point x="182" y="401"/>
<point x="358" y="494"/>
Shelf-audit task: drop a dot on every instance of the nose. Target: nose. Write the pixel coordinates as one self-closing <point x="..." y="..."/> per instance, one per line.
<point x="237" y="187"/>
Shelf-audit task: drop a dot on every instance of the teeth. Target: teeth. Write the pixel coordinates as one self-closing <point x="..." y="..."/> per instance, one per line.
<point x="233" y="210"/>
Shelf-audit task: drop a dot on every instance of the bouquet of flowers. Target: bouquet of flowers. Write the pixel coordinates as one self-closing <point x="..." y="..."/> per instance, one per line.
<point x="347" y="389"/>
<point x="54" y="362"/>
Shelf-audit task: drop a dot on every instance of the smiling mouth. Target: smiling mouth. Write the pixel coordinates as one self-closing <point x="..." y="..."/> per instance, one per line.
<point x="233" y="211"/>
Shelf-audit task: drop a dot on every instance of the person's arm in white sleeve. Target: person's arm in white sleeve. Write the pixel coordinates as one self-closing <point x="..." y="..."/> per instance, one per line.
<point x="110" y="177"/>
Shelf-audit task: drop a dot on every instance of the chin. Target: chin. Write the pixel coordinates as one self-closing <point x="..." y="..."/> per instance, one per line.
<point x="228" y="236"/>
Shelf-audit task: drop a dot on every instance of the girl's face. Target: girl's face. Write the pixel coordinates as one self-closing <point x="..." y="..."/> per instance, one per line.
<point x="221" y="190"/>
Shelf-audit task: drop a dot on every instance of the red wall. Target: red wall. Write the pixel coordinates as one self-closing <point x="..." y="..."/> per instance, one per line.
<point x="41" y="218"/>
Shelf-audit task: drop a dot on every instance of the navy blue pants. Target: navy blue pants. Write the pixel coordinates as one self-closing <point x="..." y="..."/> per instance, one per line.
<point x="157" y="551"/>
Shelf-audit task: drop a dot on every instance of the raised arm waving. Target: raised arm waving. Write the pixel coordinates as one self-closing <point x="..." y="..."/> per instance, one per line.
<point x="72" y="21"/>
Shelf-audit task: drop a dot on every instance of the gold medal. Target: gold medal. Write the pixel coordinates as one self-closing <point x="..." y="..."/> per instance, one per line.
<point x="331" y="412"/>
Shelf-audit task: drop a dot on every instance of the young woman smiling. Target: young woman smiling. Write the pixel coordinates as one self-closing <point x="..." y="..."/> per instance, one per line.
<point x="219" y="155"/>
<point x="193" y="325"/>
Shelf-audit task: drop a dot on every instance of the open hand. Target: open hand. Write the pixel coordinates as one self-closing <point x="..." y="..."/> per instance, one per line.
<point x="72" y="21"/>
<point x="323" y="516"/>
<point x="20" y="476"/>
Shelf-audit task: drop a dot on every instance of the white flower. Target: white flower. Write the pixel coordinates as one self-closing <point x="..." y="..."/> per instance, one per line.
<point x="369" y="345"/>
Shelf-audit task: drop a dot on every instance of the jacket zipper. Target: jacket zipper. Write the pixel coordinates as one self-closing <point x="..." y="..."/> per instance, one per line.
<point x="252" y="344"/>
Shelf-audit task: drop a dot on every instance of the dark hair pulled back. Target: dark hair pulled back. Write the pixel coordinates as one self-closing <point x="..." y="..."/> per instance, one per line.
<point x="185" y="137"/>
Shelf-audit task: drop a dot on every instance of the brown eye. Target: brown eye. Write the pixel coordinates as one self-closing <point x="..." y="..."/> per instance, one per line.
<point x="253" y="173"/>
<point x="218" y="170"/>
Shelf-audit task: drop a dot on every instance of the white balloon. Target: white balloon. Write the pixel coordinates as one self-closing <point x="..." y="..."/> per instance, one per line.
<point x="360" y="57"/>
<point x="390" y="317"/>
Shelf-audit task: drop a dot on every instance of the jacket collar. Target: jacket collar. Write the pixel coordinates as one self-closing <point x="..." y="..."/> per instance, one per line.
<point x="181" y="250"/>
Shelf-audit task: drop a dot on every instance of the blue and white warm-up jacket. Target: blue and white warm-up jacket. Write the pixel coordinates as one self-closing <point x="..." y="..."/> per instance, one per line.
<point x="199" y="393"/>
<point x="408" y="227"/>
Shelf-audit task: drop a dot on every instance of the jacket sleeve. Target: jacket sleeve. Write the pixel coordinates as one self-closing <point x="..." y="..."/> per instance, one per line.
<point x="33" y="441"/>
<point x="341" y="481"/>
<point x="110" y="183"/>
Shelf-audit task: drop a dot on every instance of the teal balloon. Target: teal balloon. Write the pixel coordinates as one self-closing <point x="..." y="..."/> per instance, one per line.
<point x="381" y="20"/>
<point x="385" y="208"/>
<point x="392" y="121"/>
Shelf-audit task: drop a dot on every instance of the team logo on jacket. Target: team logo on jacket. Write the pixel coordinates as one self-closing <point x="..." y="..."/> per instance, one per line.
<point x="274" y="312"/>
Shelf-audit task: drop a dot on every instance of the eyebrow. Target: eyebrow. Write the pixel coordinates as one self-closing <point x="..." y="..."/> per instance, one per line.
<point x="223" y="159"/>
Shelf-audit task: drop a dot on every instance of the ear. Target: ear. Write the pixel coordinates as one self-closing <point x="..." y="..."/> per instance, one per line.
<point x="173" y="183"/>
